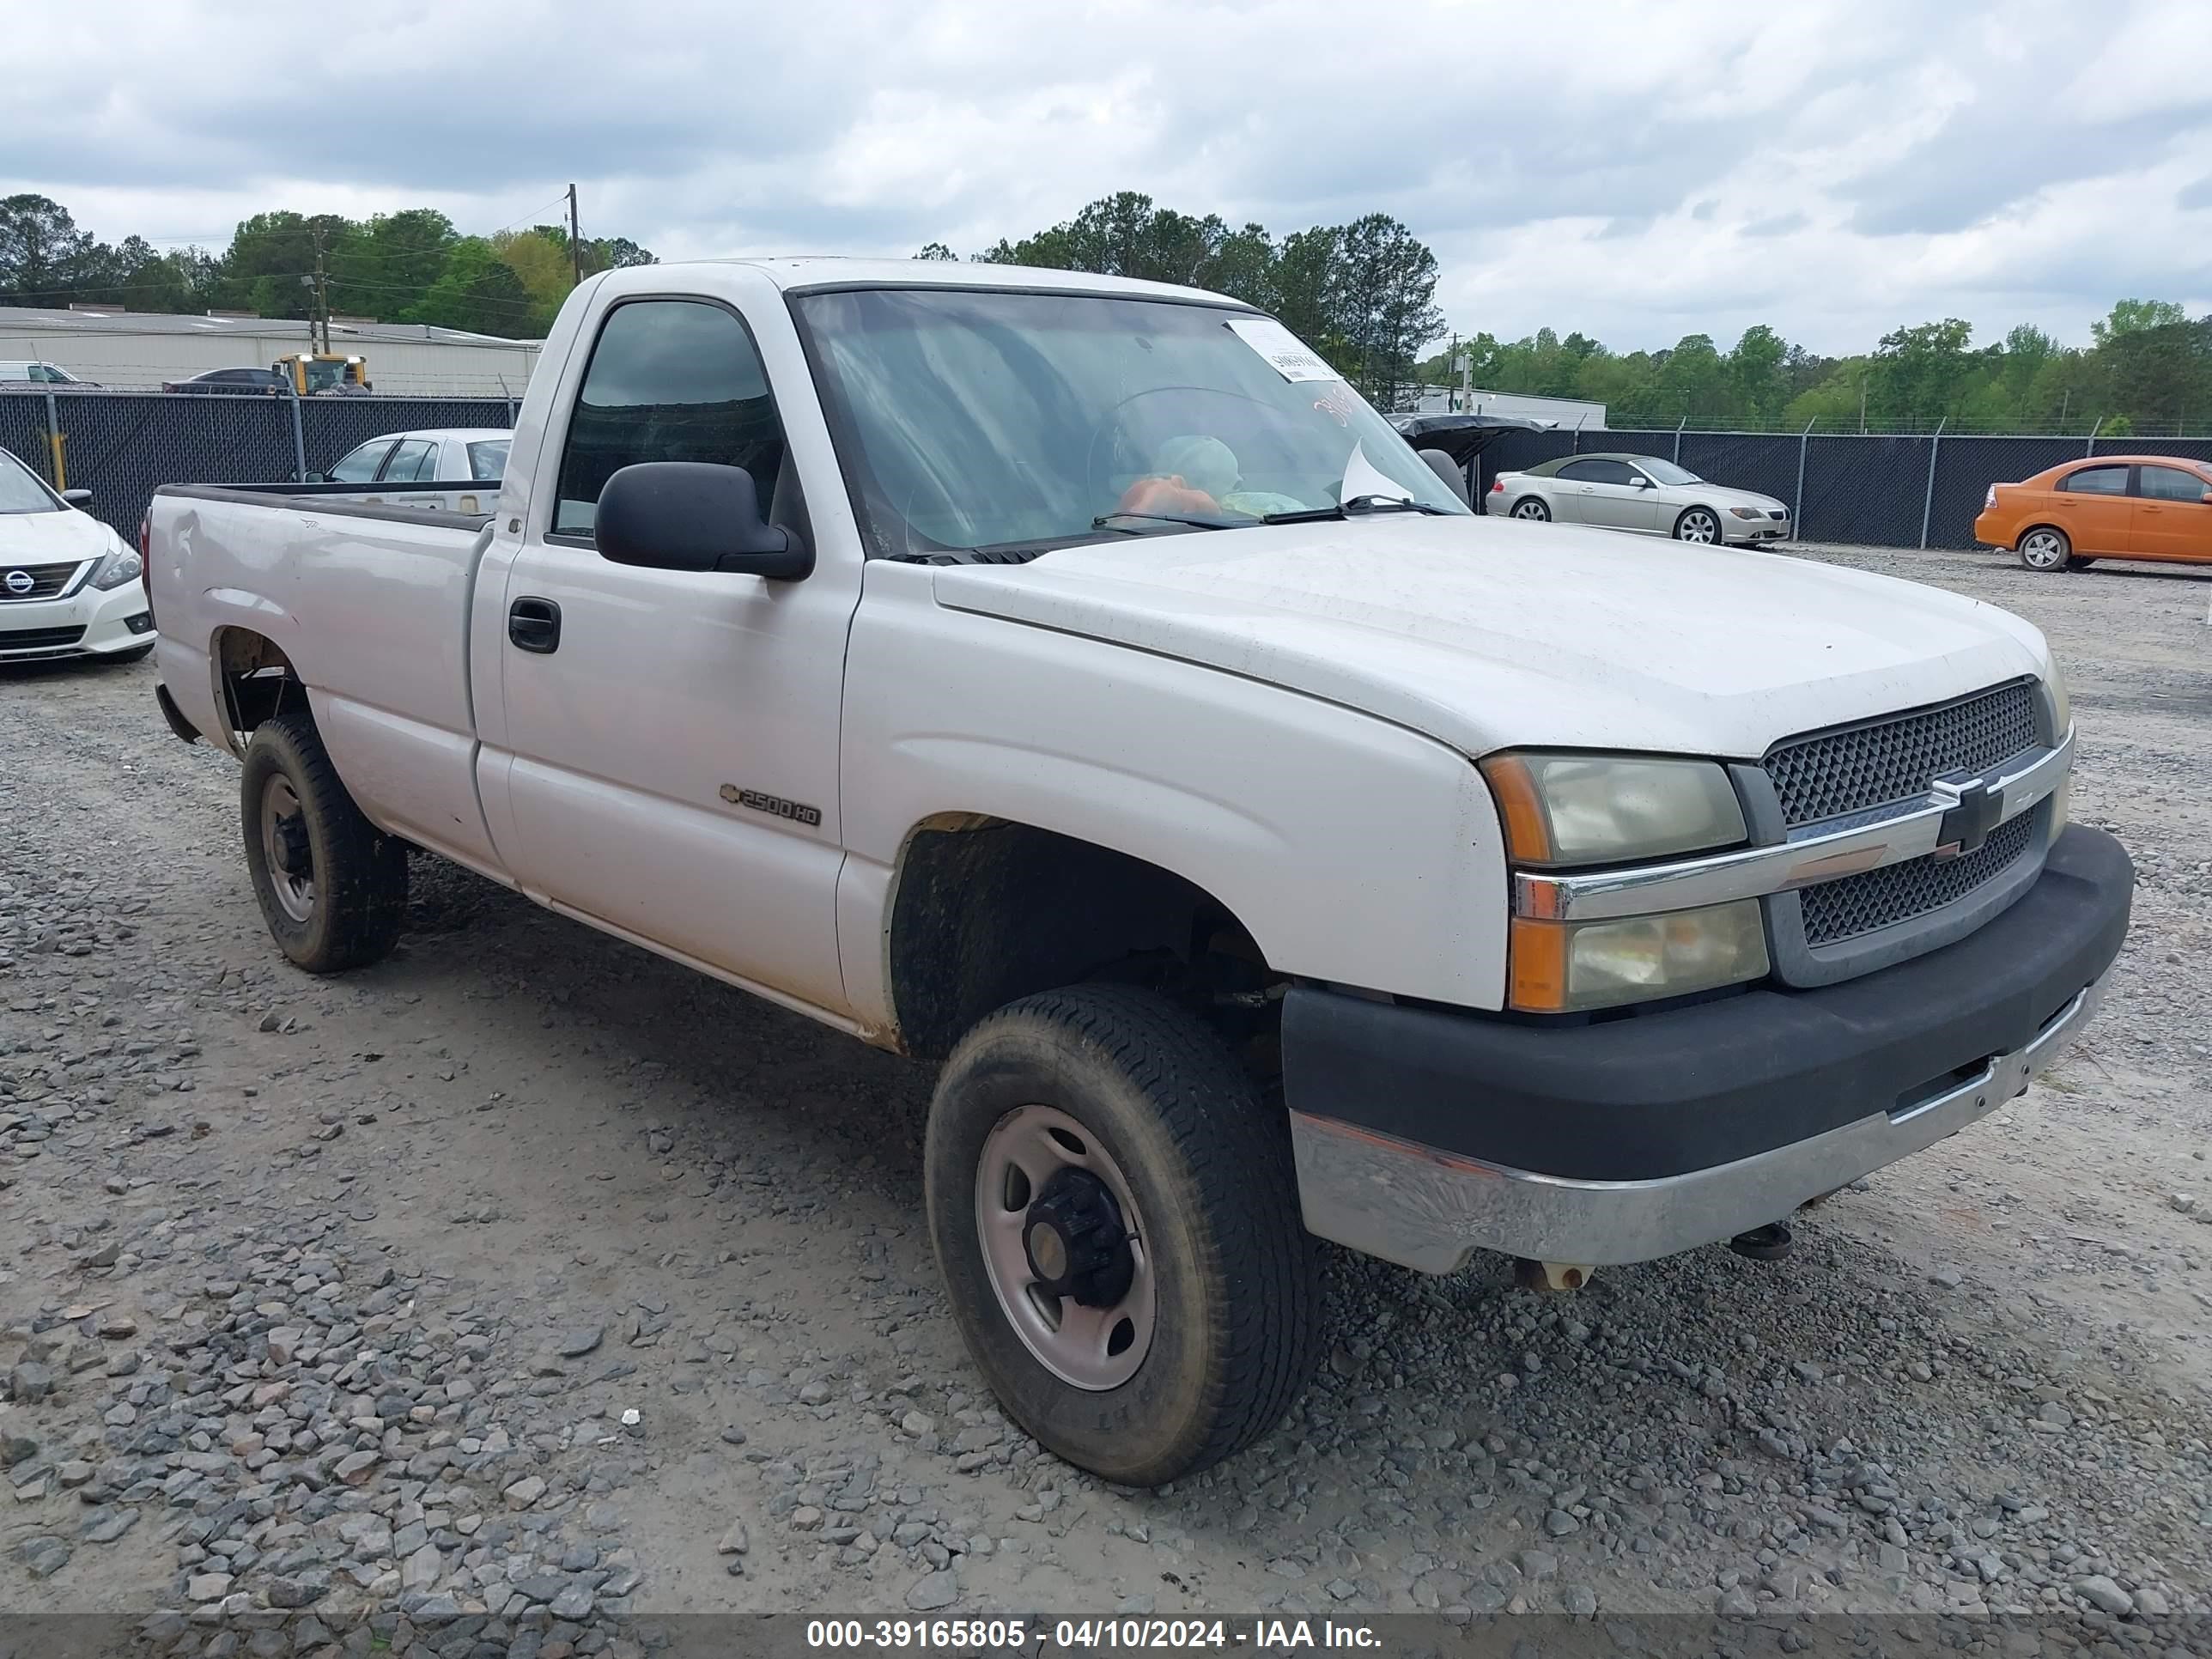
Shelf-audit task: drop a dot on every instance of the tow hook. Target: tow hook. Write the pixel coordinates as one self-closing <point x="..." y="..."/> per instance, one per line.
<point x="1554" y="1276"/>
<point x="1768" y="1243"/>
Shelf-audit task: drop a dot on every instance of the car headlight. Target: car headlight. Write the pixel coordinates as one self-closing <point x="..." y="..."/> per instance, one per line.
<point x="1560" y="967"/>
<point x="1611" y="809"/>
<point x="1568" y="809"/>
<point x="120" y="565"/>
<point x="1746" y="512"/>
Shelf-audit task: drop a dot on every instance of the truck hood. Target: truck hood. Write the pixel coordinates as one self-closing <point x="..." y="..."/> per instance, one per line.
<point x="1485" y="635"/>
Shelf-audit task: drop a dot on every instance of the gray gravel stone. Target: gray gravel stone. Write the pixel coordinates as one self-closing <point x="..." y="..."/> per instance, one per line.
<point x="932" y="1591"/>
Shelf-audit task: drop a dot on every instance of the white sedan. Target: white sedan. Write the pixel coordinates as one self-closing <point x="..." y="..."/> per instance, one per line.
<point x="1640" y="493"/>
<point x="70" y="586"/>
<point x="469" y="460"/>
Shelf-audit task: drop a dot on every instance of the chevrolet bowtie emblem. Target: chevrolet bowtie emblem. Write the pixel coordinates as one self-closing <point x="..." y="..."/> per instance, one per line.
<point x="1973" y="809"/>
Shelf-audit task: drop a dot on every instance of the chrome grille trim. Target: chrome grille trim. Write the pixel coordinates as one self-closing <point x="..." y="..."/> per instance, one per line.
<point x="48" y="582"/>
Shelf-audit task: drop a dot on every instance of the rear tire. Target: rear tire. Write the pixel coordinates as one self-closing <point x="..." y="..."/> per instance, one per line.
<point x="1532" y="509"/>
<point x="2046" y="549"/>
<point x="1226" y="1299"/>
<point x="332" y="886"/>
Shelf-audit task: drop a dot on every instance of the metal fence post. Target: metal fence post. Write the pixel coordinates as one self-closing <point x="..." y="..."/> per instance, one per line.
<point x="299" y="438"/>
<point x="2094" y="431"/>
<point x="1797" y="503"/>
<point x="1928" y="501"/>
<point x="1579" y="419"/>
<point x="509" y="396"/>
<point x="1678" y="425"/>
<point x="56" y="464"/>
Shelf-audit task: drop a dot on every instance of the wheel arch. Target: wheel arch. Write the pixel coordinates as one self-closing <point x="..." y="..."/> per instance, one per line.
<point x="985" y="909"/>
<point x="255" y="680"/>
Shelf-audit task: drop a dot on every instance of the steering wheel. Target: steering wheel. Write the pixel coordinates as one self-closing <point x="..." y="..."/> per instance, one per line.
<point x="1100" y="484"/>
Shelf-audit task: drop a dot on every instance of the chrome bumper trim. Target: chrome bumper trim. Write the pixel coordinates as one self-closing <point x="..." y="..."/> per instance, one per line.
<point x="1430" y="1210"/>
<point x="1817" y="853"/>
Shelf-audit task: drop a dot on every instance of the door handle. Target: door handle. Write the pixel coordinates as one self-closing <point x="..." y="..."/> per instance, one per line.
<point x="534" y="625"/>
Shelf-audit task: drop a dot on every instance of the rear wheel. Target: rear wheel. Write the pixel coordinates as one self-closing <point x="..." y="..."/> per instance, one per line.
<point x="1529" y="508"/>
<point x="1698" y="524"/>
<point x="2046" y="549"/>
<point x="332" y="886"/>
<point x="1116" y="1214"/>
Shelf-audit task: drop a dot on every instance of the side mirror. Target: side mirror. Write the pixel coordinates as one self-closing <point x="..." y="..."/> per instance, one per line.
<point x="315" y="477"/>
<point x="76" y="497"/>
<point x="1449" y="470"/>
<point x="1642" y="483"/>
<point x="692" y="516"/>
<point x="2206" y="498"/>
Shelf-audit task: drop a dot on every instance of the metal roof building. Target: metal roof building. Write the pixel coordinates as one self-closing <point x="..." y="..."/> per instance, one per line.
<point x="139" y="350"/>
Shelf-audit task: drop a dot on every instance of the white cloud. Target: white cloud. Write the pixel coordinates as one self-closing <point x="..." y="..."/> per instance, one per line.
<point x="1637" y="171"/>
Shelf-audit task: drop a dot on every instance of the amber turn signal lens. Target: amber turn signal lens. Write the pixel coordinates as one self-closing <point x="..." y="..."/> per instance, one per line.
<point x="1527" y="837"/>
<point x="1537" y="960"/>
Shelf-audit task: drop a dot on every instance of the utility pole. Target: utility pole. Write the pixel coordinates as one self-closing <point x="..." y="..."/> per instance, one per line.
<point x="1863" y="380"/>
<point x="322" y="298"/>
<point x="575" y="242"/>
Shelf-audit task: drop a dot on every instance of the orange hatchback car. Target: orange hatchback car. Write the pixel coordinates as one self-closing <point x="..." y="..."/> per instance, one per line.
<point x="2115" y="507"/>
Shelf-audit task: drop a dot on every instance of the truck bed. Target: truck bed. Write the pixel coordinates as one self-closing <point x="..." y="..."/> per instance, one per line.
<point x="393" y="591"/>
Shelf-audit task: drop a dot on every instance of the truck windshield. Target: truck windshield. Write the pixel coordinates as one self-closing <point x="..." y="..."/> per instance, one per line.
<point x="976" y="419"/>
<point x="324" y="375"/>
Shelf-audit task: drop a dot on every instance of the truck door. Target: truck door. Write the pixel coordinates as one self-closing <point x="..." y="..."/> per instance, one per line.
<point x="671" y="735"/>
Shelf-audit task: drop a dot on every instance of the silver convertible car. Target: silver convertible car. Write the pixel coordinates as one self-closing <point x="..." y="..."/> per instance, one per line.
<point x="1637" y="492"/>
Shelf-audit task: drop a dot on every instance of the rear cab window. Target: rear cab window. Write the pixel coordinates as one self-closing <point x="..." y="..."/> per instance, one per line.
<point x="668" y="380"/>
<point x="2095" y="481"/>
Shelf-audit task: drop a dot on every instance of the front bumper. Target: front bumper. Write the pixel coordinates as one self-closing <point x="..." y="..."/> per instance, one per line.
<point x="83" y="622"/>
<point x="1422" y="1135"/>
<point x="1766" y="528"/>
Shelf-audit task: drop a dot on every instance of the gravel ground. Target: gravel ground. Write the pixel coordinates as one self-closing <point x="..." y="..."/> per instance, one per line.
<point x="526" y="1288"/>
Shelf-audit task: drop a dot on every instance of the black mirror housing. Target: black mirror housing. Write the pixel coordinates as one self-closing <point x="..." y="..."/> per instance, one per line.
<point x="76" y="497"/>
<point x="694" y="515"/>
<point x="1441" y="463"/>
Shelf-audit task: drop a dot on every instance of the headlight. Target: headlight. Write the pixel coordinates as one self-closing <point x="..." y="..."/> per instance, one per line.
<point x="1600" y="809"/>
<point x="1746" y="512"/>
<point x="121" y="565"/>
<point x="1560" y="967"/>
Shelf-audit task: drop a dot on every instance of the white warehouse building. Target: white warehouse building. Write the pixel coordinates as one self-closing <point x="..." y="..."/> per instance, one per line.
<point x="138" y="350"/>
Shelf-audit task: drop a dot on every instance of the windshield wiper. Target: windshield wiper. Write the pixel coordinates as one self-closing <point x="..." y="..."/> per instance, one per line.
<point x="1357" y="506"/>
<point x="1105" y="520"/>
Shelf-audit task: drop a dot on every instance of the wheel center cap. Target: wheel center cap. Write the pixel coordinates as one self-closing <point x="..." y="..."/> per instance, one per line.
<point x="1076" y="1242"/>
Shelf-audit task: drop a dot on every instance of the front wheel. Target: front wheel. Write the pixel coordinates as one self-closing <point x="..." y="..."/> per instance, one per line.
<point x="1116" y="1214"/>
<point x="332" y="886"/>
<point x="2045" y="550"/>
<point x="1699" y="524"/>
<point x="1533" y="510"/>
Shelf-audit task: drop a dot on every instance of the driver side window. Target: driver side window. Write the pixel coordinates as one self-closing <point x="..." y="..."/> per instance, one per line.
<point x="669" y="381"/>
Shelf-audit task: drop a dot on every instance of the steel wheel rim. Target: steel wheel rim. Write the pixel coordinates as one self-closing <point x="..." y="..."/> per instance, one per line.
<point x="295" y="892"/>
<point x="2042" y="550"/>
<point x="1699" y="527"/>
<point x="1529" y="510"/>
<point x="1087" y="1348"/>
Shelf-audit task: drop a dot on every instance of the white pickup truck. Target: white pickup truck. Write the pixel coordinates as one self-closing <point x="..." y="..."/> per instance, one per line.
<point x="1074" y="682"/>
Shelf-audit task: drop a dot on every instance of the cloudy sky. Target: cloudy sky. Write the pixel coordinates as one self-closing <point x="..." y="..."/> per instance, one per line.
<point x="1637" y="170"/>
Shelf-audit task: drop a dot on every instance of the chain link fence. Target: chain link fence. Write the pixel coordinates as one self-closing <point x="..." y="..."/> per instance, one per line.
<point x="123" y="446"/>
<point x="1881" y="489"/>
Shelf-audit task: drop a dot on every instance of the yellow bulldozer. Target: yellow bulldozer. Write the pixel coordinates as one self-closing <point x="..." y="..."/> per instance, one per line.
<point x="316" y="373"/>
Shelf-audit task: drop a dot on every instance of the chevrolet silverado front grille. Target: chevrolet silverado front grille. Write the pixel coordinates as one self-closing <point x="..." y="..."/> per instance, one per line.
<point x="1855" y="905"/>
<point x="1829" y="773"/>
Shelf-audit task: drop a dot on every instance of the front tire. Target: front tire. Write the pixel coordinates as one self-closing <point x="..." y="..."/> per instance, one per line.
<point x="1104" y="1113"/>
<point x="2046" y="549"/>
<point x="332" y="886"/>
<point x="1698" y="525"/>
<point x="1530" y="509"/>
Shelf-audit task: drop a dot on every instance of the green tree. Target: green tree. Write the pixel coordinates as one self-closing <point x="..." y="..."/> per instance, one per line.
<point x="936" y="250"/>
<point x="1918" y="373"/>
<point x="2129" y="316"/>
<point x="1757" y="384"/>
<point x="1386" y="284"/>
<point x="44" y="257"/>
<point x="478" y="292"/>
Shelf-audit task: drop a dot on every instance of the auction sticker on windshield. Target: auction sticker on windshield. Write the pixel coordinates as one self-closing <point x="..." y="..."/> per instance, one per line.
<point x="1291" y="356"/>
